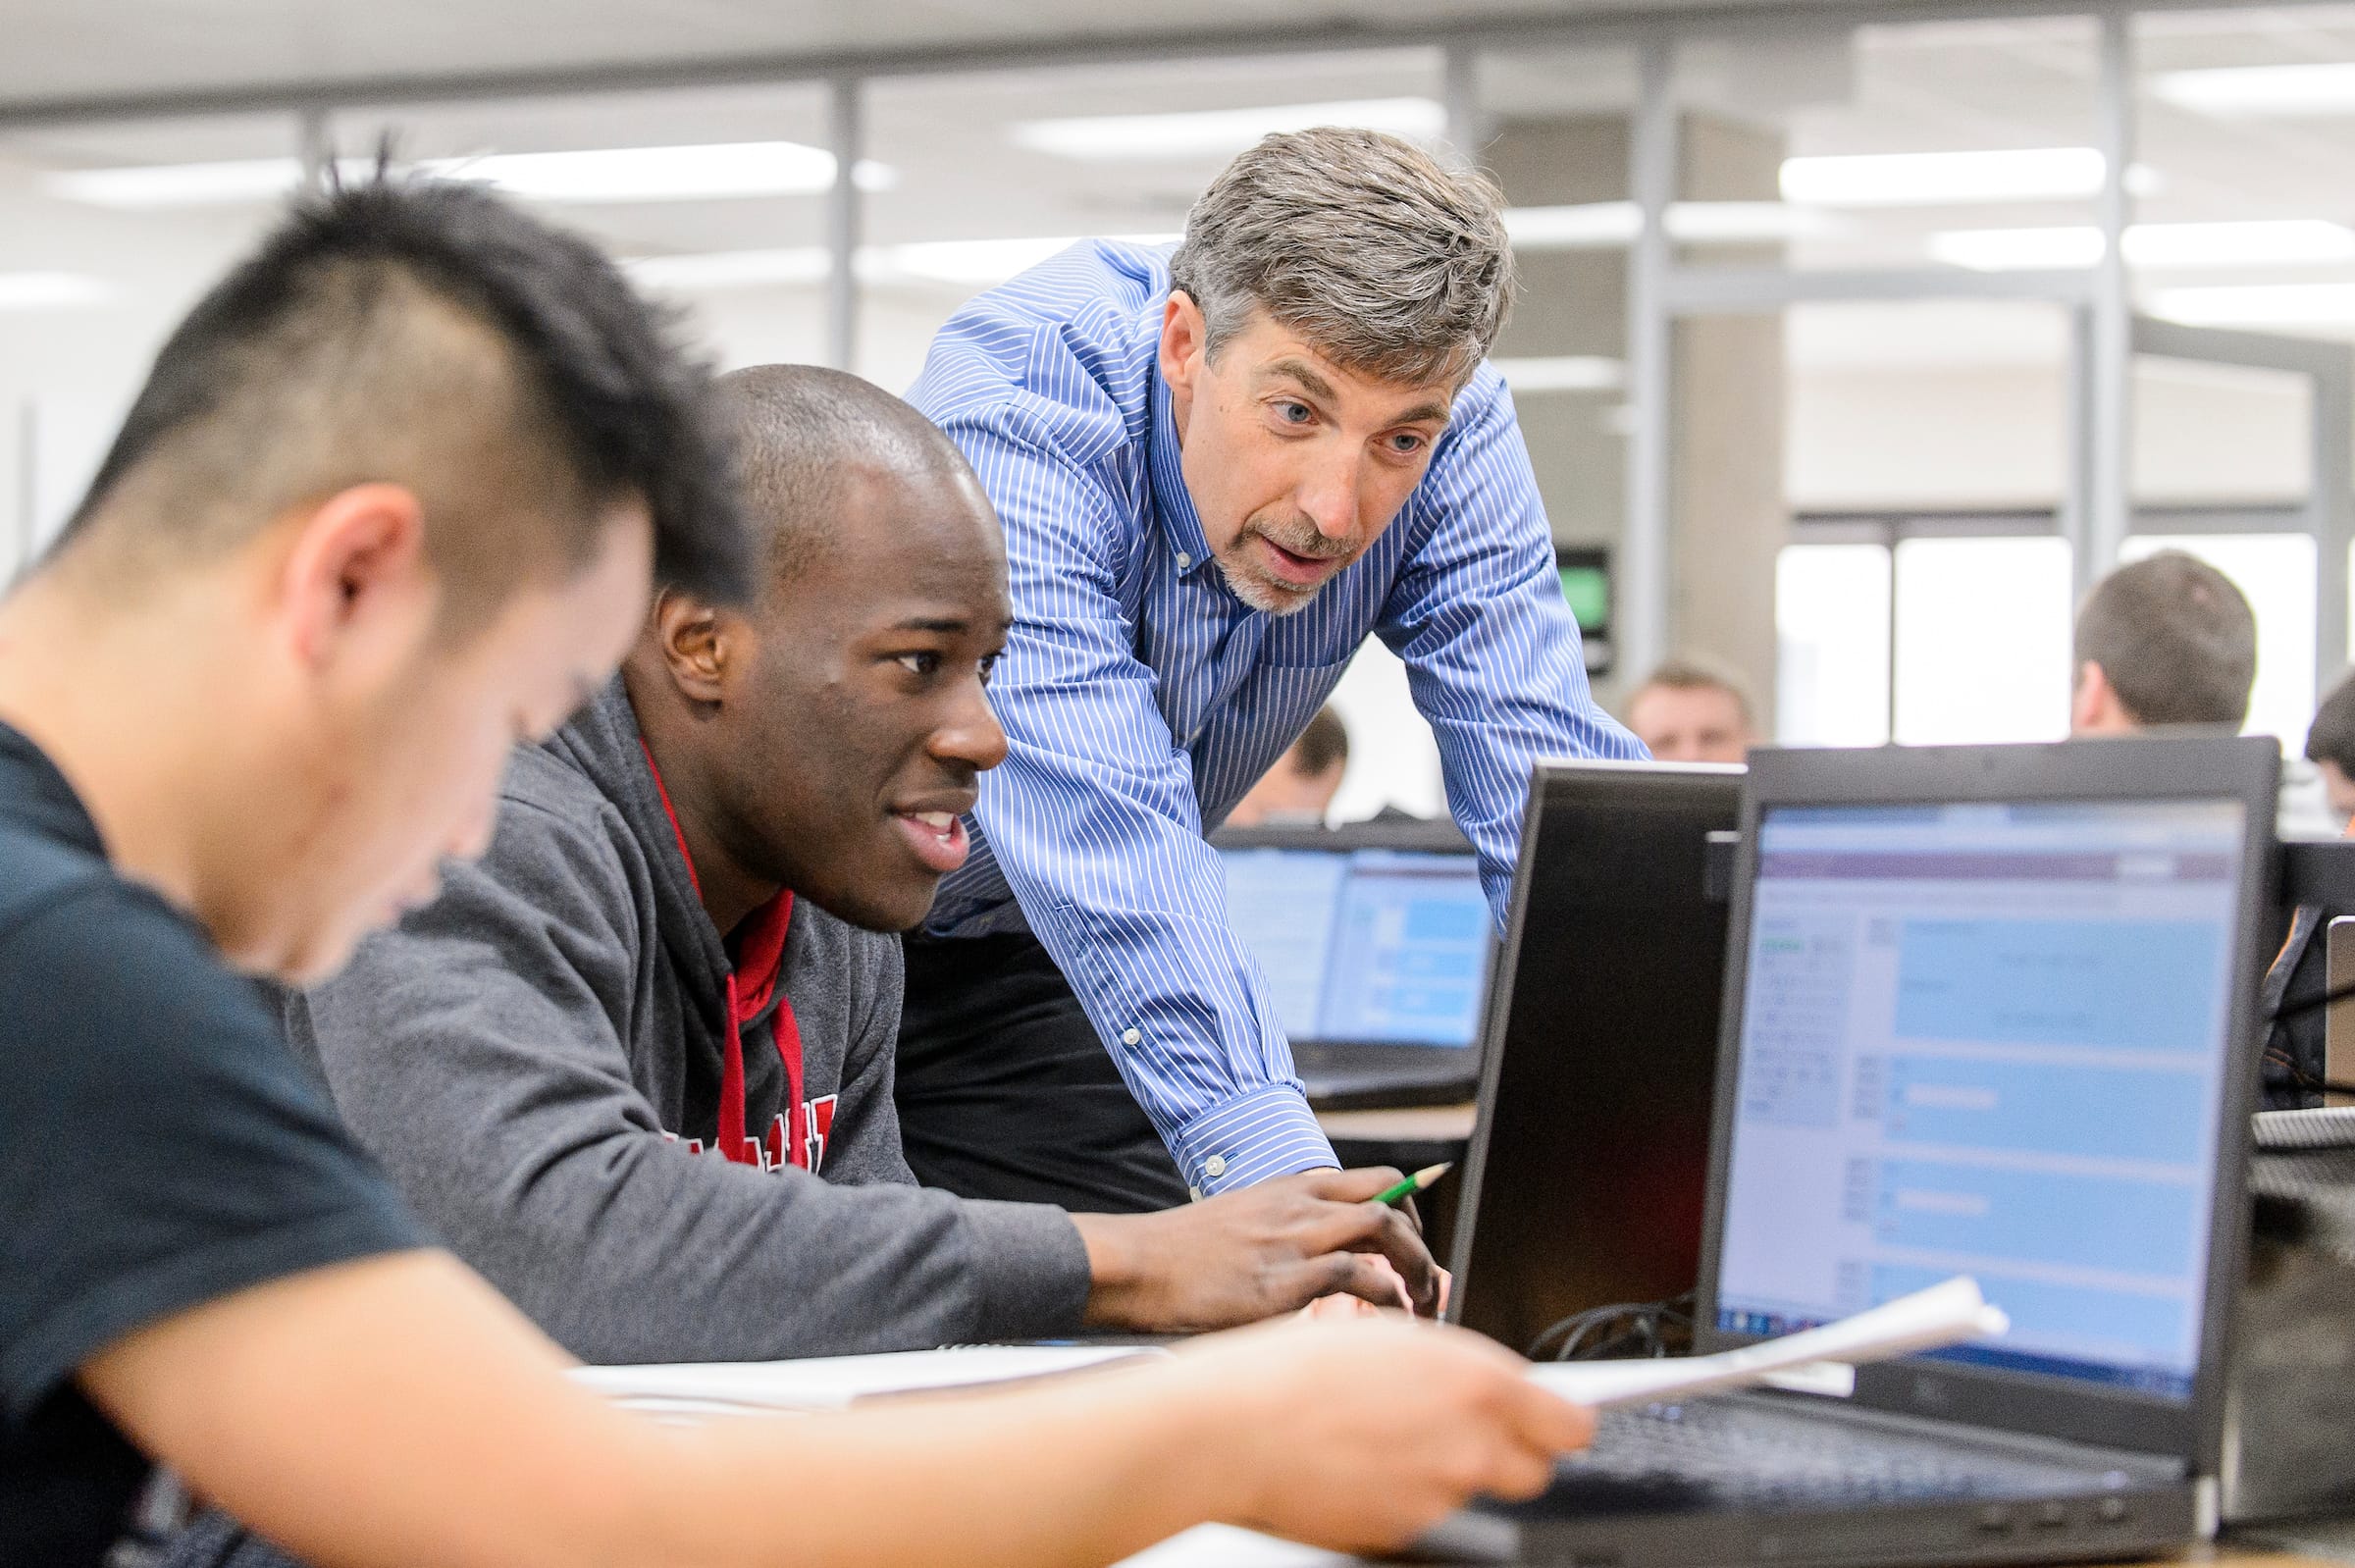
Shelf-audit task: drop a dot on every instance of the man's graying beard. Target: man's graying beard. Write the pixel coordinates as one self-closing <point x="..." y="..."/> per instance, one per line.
<point x="1302" y="538"/>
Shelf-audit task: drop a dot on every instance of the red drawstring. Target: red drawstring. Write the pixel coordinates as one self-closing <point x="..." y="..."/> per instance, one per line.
<point x="761" y="952"/>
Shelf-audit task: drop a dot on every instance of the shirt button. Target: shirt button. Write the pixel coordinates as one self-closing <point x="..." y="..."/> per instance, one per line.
<point x="1194" y="1193"/>
<point x="1129" y="1036"/>
<point x="1183" y="561"/>
<point x="1215" y="1165"/>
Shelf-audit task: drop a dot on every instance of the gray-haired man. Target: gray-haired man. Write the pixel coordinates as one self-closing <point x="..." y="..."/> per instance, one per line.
<point x="1218" y="470"/>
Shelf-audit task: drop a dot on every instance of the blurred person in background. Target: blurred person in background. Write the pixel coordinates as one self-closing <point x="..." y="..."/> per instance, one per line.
<point x="1693" y="710"/>
<point x="1219" y="469"/>
<point x="2331" y="748"/>
<point x="1298" y="791"/>
<point x="2165" y="642"/>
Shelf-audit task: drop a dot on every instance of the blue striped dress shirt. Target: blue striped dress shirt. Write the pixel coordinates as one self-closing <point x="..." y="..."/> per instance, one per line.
<point x="1141" y="698"/>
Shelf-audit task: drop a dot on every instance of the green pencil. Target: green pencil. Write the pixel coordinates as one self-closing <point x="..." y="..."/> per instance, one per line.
<point x="1415" y="1183"/>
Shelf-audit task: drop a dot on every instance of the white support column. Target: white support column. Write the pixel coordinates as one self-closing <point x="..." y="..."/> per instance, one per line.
<point x="1641" y="615"/>
<point x="1468" y="125"/>
<point x="2109" y="380"/>
<point x="2329" y="507"/>
<point x="846" y="136"/>
<point x="314" y="144"/>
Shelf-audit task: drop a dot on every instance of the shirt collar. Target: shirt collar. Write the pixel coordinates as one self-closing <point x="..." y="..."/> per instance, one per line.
<point x="1181" y="524"/>
<point x="34" y="790"/>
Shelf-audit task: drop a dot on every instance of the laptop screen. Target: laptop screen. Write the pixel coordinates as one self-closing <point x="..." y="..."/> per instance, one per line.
<point x="1379" y="947"/>
<point x="1987" y="1039"/>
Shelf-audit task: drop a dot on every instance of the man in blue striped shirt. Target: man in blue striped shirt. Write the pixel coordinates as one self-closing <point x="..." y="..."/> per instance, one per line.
<point x="1219" y="471"/>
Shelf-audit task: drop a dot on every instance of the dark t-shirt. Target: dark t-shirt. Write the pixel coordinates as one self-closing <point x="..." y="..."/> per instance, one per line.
<point x="159" y="1148"/>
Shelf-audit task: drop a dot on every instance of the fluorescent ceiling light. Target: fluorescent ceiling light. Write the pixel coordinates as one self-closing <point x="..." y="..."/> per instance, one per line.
<point x="1607" y="224"/>
<point x="664" y="173"/>
<point x="970" y="263"/>
<point x="49" y="290"/>
<point x="2258" y="305"/>
<point x="1562" y="373"/>
<point x="607" y="174"/>
<point x="800" y="265"/>
<point x="1588" y="226"/>
<point x="2293" y="89"/>
<point x="2018" y="250"/>
<point x="1943" y="179"/>
<point x="1220" y="132"/>
<point x="2269" y="242"/>
<point x="179" y="184"/>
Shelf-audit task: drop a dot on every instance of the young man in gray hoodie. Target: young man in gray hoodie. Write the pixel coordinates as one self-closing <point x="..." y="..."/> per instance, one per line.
<point x="636" y="1065"/>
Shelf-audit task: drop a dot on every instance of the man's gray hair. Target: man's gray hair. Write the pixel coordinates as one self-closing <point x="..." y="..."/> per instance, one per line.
<point x="1386" y="263"/>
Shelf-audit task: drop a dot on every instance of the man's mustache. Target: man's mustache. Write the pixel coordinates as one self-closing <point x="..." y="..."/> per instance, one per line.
<point x="1300" y="536"/>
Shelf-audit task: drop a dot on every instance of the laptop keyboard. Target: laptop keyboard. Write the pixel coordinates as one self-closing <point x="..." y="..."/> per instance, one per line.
<point x="1737" y="1453"/>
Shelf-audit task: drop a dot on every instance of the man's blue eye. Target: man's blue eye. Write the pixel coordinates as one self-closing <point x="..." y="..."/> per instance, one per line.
<point x="1295" y="413"/>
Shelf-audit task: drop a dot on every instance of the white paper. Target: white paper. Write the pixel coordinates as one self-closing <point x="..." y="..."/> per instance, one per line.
<point x="1927" y="1319"/>
<point x="718" y="1387"/>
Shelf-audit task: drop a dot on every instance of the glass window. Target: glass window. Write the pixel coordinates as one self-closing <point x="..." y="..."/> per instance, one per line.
<point x="715" y="197"/>
<point x="2277" y="573"/>
<point x="1894" y="145"/>
<point x="1982" y="640"/>
<point x="95" y="271"/>
<point x="995" y="172"/>
<point x="1831" y="615"/>
<point x="2243" y="113"/>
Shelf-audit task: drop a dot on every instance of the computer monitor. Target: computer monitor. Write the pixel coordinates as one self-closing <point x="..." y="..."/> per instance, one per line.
<point x="1365" y="937"/>
<point x="1584" y="1181"/>
<point x="1992" y="1019"/>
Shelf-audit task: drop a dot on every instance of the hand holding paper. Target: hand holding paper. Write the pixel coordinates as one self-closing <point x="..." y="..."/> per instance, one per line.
<point x="1927" y="1319"/>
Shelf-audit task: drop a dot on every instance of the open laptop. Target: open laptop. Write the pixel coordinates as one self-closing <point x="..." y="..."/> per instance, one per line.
<point x="1376" y="941"/>
<point x="1988" y="1011"/>
<point x="1589" y="1160"/>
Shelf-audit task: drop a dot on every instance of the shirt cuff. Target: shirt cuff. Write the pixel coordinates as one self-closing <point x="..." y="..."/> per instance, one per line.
<point x="1268" y="1132"/>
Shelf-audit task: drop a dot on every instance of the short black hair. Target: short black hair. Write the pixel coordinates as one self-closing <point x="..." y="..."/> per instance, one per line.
<point x="1323" y="745"/>
<point x="428" y="333"/>
<point x="799" y="432"/>
<point x="2174" y="639"/>
<point x="2331" y="738"/>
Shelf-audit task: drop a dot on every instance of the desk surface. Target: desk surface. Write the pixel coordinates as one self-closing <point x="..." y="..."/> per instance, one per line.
<point x="1430" y="1123"/>
<point x="1218" y="1546"/>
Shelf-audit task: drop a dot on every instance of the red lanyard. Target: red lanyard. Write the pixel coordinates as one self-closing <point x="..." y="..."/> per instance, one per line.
<point x="760" y="960"/>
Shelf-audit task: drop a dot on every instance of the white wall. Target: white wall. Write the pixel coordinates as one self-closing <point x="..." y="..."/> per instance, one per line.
<point x="1995" y="437"/>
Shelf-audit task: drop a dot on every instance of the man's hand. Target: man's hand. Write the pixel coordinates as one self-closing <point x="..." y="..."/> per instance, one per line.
<point x="1253" y="1253"/>
<point x="1357" y="1436"/>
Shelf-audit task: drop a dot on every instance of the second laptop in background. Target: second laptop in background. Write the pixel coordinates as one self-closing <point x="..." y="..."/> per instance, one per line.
<point x="1376" y="941"/>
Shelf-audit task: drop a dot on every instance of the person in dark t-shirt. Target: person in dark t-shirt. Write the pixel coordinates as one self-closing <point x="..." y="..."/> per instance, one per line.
<point x="393" y="499"/>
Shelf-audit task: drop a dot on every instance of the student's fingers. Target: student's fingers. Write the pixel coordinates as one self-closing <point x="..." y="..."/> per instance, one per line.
<point x="1400" y="1243"/>
<point x="1547" y="1421"/>
<point x="1366" y="1275"/>
<point x="1360" y="1185"/>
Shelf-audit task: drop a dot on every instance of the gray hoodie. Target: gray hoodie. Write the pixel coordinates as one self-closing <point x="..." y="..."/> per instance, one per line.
<point x="516" y="1052"/>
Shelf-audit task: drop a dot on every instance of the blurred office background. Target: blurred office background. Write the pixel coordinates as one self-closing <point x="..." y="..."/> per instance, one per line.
<point x="1857" y="339"/>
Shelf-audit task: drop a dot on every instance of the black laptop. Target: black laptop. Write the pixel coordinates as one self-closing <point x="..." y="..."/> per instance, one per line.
<point x="1590" y="1156"/>
<point x="1988" y="1012"/>
<point x="1374" y="940"/>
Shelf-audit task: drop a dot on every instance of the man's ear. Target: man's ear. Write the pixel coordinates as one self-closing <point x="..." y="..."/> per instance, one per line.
<point x="1182" y="339"/>
<point x="694" y="643"/>
<point x="2093" y="705"/>
<point x="356" y="579"/>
